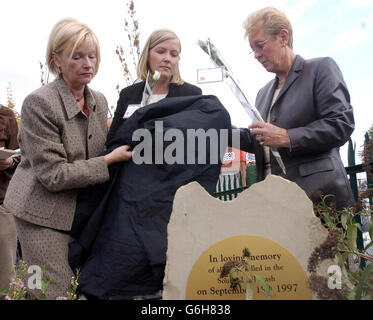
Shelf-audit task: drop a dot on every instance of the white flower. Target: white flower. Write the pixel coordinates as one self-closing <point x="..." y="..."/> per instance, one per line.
<point x="148" y="90"/>
<point x="156" y="75"/>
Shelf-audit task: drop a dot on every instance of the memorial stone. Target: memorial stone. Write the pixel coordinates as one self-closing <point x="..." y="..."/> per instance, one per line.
<point x="273" y="219"/>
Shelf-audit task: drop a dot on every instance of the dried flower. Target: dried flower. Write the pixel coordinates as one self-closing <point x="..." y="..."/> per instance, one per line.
<point x="319" y="285"/>
<point x="246" y="253"/>
<point x="327" y="250"/>
<point x="133" y="51"/>
<point x="132" y="6"/>
<point x="236" y="283"/>
<point x="359" y="206"/>
<point x="367" y="194"/>
<point x="136" y="42"/>
<point x="316" y="197"/>
<point x="227" y="268"/>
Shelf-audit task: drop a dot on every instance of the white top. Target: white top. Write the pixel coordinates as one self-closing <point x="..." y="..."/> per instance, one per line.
<point x="153" y="98"/>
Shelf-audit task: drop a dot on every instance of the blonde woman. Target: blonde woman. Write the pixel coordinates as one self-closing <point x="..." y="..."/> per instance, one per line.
<point x="161" y="53"/>
<point x="126" y="259"/>
<point x="62" y="133"/>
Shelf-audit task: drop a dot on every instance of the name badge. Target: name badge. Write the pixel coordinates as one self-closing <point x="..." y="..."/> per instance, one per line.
<point x="130" y="110"/>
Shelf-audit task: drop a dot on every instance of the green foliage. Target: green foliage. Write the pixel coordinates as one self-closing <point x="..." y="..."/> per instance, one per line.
<point x="17" y="289"/>
<point x="265" y="285"/>
<point x="364" y="281"/>
<point x="72" y="295"/>
<point x="341" y="244"/>
<point x="44" y="284"/>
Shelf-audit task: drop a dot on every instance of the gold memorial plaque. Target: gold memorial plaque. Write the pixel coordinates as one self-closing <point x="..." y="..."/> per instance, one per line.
<point x="282" y="272"/>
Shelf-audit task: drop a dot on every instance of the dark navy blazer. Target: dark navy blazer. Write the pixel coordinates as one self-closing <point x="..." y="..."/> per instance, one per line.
<point x="133" y="95"/>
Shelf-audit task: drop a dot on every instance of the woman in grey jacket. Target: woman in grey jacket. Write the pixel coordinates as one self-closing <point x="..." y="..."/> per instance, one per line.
<point x="62" y="133"/>
<point x="306" y="108"/>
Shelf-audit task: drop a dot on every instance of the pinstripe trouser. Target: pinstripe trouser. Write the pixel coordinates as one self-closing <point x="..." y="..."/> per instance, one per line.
<point x="48" y="248"/>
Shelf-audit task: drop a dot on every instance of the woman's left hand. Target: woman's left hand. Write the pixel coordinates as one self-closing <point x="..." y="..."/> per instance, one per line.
<point x="270" y="135"/>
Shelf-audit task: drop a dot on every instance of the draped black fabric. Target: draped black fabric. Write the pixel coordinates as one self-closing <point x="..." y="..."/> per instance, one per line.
<point x="121" y="226"/>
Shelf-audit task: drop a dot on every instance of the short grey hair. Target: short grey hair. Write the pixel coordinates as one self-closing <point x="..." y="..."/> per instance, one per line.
<point x="271" y="20"/>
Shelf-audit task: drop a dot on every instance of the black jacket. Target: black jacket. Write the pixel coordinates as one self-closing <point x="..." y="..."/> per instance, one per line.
<point x="133" y="95"/>
<point x="121" y="227"/>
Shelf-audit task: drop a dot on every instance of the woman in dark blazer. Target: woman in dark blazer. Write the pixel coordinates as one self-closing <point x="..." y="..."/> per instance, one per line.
<point x="307" y="109"/>
<point x="117" y="267"/>
<point x="161" y="53"/>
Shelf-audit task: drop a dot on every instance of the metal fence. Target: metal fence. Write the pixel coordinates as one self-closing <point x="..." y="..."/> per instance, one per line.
<point x="230" y="185"/>
<point x="352" y="171"/>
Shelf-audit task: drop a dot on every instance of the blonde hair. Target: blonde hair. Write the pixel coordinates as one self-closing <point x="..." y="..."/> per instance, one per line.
<point x="272" y="21"/>
<point x="154" y="39"/>
<point x="70" y="34"/>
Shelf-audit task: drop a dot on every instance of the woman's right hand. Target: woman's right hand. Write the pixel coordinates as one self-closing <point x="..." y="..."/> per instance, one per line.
<point x="119" y="154"/>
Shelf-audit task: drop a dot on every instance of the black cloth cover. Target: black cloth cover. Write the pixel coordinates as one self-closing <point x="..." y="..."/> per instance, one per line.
<point x="120" y="227"/>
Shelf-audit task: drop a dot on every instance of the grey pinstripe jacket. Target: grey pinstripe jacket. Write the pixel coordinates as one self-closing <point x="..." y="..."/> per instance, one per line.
<point x="54" y="136"/>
